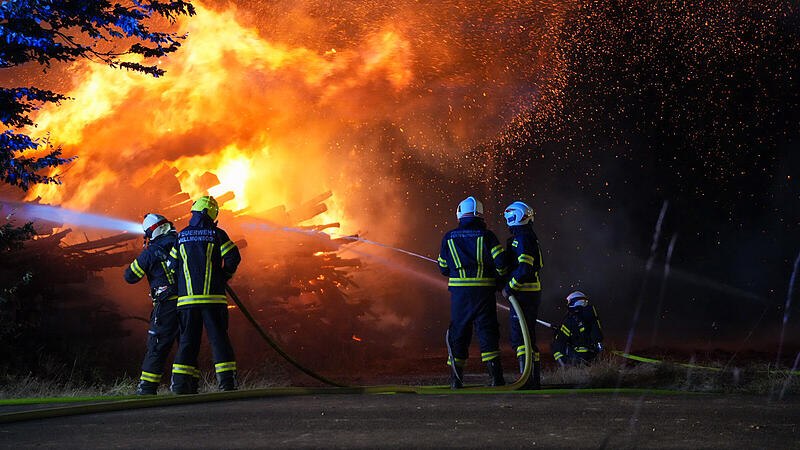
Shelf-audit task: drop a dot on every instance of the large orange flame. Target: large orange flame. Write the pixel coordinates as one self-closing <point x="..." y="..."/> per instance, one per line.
<point x="280" y="115"/>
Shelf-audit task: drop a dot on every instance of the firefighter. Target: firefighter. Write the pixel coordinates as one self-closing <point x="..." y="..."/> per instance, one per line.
<point x="472" y="257"/>
<point x="159" y="234"/>
<point x="204" y="259"/>
<point x="524" y="259"/>
<point x="579" y="338"/>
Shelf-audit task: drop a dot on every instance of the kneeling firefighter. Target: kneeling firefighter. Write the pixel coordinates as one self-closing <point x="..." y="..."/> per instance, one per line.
<point x="204" y="259"/>
<point x="525" y="261"/>
<point x="579" y="338"/>
<point x="159" y="234"/>
<point x="471" y="256"/>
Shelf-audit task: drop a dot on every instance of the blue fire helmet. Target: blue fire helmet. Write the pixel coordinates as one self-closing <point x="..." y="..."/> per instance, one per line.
<point x="518" y="213"/>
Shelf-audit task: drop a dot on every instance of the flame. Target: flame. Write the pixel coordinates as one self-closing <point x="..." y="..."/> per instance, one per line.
<point x="302" y="105"/>
<point x="356" y="338"/>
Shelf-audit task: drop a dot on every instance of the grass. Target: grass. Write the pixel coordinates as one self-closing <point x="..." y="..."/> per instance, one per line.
<point x="608" y="371"/>
<point x="613" y="371"/>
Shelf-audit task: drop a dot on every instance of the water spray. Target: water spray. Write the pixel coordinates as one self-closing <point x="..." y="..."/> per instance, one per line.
<point x="60" y="215"/>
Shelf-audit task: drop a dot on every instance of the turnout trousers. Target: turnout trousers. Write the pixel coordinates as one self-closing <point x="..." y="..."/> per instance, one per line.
<point x="185" y="371"/>
<point x="470" y="305"/>
<point x="529" y="303"/>
<point x="162" y="333"/>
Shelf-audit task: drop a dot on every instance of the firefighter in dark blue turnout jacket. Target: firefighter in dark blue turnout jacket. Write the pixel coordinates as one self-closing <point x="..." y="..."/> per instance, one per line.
<point x="152" y="263"/>
<point x="579" y="338"/>
<point x="525" y="260"/>
<point x="472" y="257"/>
<point x="204" y="259"/>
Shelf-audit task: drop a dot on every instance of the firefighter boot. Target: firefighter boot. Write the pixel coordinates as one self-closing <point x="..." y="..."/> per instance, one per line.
<point x="495" y="368"/>
<point x="147" y="388"/>
<point x="227" y="380"/>
<point x="457" y="378"/>
<point x="534" y="380"/>
<point x="194" y="385"/>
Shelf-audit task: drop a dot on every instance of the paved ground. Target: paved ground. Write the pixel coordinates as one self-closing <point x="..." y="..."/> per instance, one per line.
<point x="407" y="420"/>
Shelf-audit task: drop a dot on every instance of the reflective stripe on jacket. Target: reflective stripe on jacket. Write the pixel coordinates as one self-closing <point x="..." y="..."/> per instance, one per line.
<point x="471" y="255"/>
<point x="204" y="258"/>
<point x="152" y="263"/>
<point x="524" y="259"/>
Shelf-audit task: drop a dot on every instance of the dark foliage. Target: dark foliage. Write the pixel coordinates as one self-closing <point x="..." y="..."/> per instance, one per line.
<point x="46" y="31"/>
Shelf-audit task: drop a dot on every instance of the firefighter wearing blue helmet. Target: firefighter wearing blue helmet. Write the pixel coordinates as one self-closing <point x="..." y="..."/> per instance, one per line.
<point x="472" y="258"/>
<point x="204" y="259"/>
<point x="159" y="234"/>
<point x="524" y="258"/>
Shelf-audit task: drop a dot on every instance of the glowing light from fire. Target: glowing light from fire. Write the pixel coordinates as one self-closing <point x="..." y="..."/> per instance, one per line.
<point x="356" y="338"/>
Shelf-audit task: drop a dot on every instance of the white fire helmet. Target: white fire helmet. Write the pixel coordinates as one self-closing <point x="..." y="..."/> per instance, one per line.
<point x="577" y="299"/>
<point x="154" y="225"/>
<point x="469" y="207"/>
<point x="518" y="213"/>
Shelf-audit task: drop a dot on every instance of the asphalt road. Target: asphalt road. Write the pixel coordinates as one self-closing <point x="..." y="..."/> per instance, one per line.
<point x="408" y="420"/>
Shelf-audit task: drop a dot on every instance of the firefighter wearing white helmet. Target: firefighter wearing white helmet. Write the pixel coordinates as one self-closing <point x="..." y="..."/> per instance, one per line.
<point x="472" y="258"/>
<point x="204" y="258"/>
<point x="469" y="207"/>
<point x="159" y="235"/>
<point x="525" y="262"/>
<point x="579" y="338"/>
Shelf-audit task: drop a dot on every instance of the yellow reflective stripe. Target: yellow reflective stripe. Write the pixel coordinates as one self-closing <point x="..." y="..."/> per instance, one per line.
<point x="442" y="261"/>
<point x="541" y="263"/>
<point x="168" y="273"/>
<point x="537" y="356"/>
<point x="479" y="254"/>
<point x="496" y="250"/>
<point x="565" y="330"/>
<point x="186" y="273"/>
<point x="137" y="269"/>
<point x="502" y="272"/>
<point x="558" y="355"/>
<point x="456" y="259"/>
<point x="207" y="282"/>
<point x="582" y="329"/>
<point x="523" y="258"/>
<point x="520" y="350"/>
<point x="226" y="247"/>
<point x="581" y="349"/>
<point x="225" y="366"/>
<point x="184" y="369"/>
<point x="515" y="243"/>
<point x="488" y="356"/>
<point x="152" y="377"/>
<point x="459" y="282"/>
<point x="459" y="362"/>
<point x="527" y="287"/>
<point x="198" y="299"/>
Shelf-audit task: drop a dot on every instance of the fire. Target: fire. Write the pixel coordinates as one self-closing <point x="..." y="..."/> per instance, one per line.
<point x="304" y="105"/>
<point x="356" y="338"/>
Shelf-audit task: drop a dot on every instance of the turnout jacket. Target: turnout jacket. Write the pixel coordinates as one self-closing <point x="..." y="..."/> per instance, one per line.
<point x="471" y="255"/>
<point x="524" y="259"/>
<point x="153" y="263"/>
<point x="580" y="330"/>
<point x="204" y="259"/>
